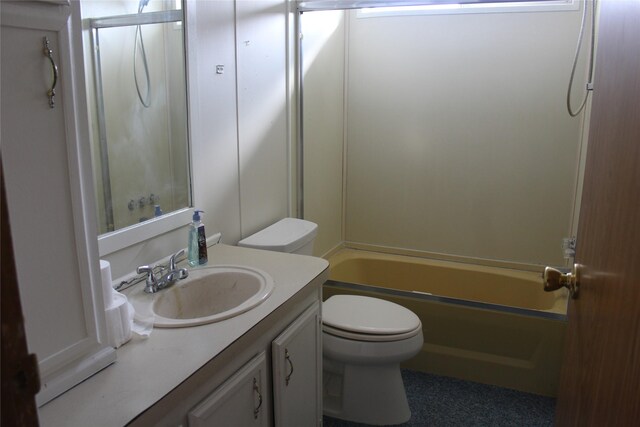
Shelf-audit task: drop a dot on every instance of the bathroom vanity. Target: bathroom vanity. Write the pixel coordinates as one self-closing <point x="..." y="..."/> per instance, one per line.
<point x="262" y="367"/>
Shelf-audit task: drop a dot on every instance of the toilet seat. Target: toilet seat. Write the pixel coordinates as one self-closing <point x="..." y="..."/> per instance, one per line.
<point x="368" y="319"/>
<point x="369" y="337"/>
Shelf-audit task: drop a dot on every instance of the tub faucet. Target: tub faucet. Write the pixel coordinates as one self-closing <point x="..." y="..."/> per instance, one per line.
<point x="172" y="275"/>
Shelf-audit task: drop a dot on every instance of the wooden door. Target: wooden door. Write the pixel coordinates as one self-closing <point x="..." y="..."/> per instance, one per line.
<point x="20" y="379"/>
<point x="600" y="380"/>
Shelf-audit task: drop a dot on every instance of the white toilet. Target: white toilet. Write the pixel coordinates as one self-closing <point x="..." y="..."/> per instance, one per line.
<point x="363" y="343"/>
<point x="364" y="340"/>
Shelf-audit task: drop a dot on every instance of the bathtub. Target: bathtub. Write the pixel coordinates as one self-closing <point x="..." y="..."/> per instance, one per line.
<point x="484" y="324"/>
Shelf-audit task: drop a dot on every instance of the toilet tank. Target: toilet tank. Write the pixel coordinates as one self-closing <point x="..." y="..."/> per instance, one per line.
<point x="291" y="235"/>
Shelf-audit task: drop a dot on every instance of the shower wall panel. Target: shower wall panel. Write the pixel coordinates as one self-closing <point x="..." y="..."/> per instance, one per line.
<point x="323" y="125"/>
<point x="458" y="137"/>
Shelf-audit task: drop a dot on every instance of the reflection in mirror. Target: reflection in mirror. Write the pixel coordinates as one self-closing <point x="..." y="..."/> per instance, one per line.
<point x="136" y="85"/>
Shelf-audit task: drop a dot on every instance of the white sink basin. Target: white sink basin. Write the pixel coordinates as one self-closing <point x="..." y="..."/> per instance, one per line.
<point x="208" y="295"/>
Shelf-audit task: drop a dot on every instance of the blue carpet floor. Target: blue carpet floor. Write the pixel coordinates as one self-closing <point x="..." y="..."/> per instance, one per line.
<point x="441" y="401"/>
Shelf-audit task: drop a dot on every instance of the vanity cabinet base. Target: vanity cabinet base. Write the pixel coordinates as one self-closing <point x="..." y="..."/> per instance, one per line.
<point x="294" y="329"/>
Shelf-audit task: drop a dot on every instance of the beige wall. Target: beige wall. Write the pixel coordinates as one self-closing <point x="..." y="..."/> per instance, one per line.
<point x="458" y="137"/>
<point x="323" y="125"/>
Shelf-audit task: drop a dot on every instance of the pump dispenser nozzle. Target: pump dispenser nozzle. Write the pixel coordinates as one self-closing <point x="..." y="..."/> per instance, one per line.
<point x="196" y="215"/>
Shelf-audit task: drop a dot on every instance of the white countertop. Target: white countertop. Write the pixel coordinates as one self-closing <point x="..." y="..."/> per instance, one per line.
<point x="148" y="369"/>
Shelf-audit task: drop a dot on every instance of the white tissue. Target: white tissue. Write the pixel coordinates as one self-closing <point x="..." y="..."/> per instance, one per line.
<point x="107" y="286"/>
<point x="119" y="320"/>
<point x="142" y="325"/>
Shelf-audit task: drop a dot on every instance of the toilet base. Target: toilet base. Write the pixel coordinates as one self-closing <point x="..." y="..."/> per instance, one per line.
<point x="369" y="394"/>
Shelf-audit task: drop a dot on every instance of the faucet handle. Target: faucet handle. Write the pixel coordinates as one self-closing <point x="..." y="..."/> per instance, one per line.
<point x="172" y="260"/>
<point x="151" y="280"/>
<point x="144" y="269"/>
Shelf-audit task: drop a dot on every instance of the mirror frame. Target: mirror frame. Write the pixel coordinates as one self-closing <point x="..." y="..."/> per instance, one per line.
<point x="129" y="236"/>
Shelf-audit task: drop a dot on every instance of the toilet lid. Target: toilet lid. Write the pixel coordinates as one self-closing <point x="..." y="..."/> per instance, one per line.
<point x="366" y="315"/>
<point x="286" y="235"/>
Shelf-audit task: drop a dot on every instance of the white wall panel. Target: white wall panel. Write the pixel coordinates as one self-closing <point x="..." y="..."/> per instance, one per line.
<point x="214" y="132"/>
<point x="262" y="112"/>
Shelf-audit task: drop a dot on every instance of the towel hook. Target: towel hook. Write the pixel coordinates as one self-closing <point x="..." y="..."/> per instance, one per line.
<point x="51" y="93"/>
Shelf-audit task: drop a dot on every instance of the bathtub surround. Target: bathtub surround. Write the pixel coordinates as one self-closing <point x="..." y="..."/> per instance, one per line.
<point x="438" y="401"/>
<point x="443" y="135"/>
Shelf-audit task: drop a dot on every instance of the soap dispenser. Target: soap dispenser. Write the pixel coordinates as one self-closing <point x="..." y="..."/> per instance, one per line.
<point x="197" y="241"/>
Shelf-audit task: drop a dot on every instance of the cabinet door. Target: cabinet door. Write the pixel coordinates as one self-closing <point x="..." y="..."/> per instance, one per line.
<point x="49" y="196"/>
<point x="243" y="400"/>
<point x="297" y="371"/>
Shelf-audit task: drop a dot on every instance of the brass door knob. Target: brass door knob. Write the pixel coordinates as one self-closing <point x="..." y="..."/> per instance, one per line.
<point x="555" y="279"/>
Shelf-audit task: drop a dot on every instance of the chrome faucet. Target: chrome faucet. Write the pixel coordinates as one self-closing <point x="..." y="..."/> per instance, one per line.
<point x="173" y="274"/>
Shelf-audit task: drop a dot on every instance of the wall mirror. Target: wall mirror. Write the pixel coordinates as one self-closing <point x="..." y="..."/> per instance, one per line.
<point x="136" y="84"/>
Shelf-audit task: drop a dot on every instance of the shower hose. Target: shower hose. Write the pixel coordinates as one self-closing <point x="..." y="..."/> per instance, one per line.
<point x="589" y="87"/>
<point x="139" y="40"/>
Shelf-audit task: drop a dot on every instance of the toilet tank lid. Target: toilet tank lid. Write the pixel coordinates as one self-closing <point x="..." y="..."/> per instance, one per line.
<point x="286" y="235"/>
<point x="368" y="315"/>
